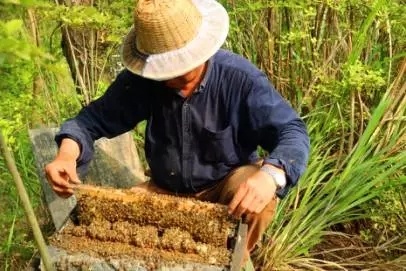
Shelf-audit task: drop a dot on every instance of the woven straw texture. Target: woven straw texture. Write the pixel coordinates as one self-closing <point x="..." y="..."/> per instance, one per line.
<point x="165" y="25"/>
<point x="172" y="37"/>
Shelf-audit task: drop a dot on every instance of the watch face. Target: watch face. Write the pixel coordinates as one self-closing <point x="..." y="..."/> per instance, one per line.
<point x="277" y="176"/>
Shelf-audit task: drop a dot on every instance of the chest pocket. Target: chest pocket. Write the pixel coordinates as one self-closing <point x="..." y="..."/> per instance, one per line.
<point x="218" y="146"/>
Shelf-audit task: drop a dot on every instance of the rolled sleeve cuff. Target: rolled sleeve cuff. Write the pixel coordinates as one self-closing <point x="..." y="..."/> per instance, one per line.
<point x="72" y="129"/>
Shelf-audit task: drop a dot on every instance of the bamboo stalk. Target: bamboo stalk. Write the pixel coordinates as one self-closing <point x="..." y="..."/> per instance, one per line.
<point x="39" y="239"/>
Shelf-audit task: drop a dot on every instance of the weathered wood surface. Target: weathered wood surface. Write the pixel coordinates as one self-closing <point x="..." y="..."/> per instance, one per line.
<point x="115" y="164"/>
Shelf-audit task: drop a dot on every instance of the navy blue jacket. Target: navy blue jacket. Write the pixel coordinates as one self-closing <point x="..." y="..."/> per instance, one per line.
<point x="192" y="143"/>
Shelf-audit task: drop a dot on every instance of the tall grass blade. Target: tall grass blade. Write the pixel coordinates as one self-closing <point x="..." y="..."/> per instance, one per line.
<point x="9" y="243"/>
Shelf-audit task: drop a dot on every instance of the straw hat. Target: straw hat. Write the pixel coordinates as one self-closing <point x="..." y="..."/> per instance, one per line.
<point x="172" y="37"/>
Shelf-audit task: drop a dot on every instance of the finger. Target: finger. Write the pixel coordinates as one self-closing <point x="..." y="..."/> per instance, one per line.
<point x="61" y="190"/>
<point x="260" y="206"/>
<point x="246" y="204"/>
<point x="72" y="174"/>
<point x="253" y="206"/>
<point x="242" y="190"/>
<point x="58" y="178"/>
<point x="64" y="194"/>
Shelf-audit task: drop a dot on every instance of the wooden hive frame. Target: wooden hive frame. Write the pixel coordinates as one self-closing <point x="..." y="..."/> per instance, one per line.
<point x="153" y="228"/>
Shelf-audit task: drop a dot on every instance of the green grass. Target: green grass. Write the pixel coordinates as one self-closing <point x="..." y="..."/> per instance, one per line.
<point x="8" y="244"/>
<point x="329" y="195"/>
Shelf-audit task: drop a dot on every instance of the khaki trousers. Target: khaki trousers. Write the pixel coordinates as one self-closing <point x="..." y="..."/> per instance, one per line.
<point x="223" y="192"/>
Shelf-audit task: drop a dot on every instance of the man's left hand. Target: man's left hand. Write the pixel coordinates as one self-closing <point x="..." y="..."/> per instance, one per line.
<point x="253" y="195"/>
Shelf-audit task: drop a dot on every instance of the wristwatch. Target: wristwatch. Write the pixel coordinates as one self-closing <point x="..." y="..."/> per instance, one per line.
<point x="278" y="177"/>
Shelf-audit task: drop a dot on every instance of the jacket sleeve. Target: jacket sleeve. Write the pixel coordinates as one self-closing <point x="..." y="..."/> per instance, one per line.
<point x="119" y="110"/>
<point x="280" y="131"/>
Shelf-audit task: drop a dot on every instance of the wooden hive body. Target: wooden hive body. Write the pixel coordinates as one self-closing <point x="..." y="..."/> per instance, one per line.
<point x="154" y="230"/>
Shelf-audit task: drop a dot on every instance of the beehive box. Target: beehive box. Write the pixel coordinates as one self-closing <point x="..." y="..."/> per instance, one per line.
<point x="122" y="230"/>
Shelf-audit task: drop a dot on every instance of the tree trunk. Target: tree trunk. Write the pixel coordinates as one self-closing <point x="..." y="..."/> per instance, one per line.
<point x="82" y="48"/>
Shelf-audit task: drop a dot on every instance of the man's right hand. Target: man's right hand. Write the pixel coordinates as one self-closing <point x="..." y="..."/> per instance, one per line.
<point x="61" y="173"/>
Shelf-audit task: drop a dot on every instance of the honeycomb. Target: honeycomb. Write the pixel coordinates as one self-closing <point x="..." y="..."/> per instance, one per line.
<point x="153" y="228"/>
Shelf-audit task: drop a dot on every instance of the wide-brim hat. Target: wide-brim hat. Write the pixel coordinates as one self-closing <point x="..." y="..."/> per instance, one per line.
<point x="172" y="37"/>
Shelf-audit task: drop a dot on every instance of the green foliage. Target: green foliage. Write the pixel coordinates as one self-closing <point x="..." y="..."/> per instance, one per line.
<point x="16" y="101"/>
<point x="113" y="18"/>
<point x="15" y="242"/>
<point x="336" y="62"/>
<point x="93" y="32"/>
<point x="387" y="216"/>
<point x="303" y="44"/>
<point x="361" y="78"/>
<point x="22" y="62"/>
<point x="329" y="194"/>
<point x="9" y="242"/>
<point x="14" y="46"/>
<point x="26" y="3"/>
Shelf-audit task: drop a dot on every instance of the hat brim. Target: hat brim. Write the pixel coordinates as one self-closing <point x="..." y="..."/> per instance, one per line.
<point x="210" y="37"/>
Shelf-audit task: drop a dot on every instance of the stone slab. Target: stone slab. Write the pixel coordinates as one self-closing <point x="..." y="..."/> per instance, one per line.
<point x="65" y="261"/>
<point x="116" y="164"/>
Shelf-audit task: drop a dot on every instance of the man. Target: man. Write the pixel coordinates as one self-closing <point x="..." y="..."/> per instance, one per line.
<point x="207" y="111"/>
